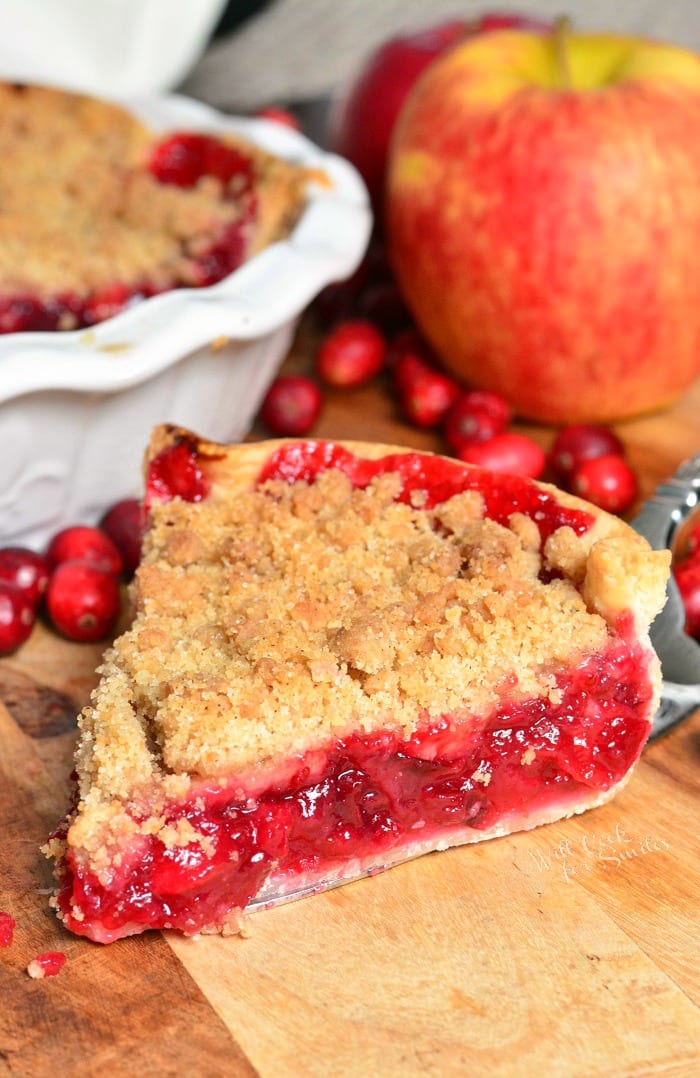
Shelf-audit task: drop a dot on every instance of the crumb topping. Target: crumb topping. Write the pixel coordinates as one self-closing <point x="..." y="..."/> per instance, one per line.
<point x="79" y="210"/>
<point x="270" y="621"/>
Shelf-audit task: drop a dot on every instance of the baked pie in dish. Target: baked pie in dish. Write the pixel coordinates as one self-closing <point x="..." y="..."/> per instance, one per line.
<point x="345" y="655"/>
<point x="98" y="211"/>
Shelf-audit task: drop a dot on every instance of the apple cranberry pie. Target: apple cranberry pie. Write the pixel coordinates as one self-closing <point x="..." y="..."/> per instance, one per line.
<point x="344" y="655"/>
<point x="97" y="211"/>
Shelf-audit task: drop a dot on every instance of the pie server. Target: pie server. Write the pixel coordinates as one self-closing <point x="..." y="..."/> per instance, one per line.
<point x="658" y="521"/>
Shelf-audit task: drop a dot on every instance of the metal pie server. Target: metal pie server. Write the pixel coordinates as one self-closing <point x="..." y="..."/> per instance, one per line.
<point x="658" y="521"/>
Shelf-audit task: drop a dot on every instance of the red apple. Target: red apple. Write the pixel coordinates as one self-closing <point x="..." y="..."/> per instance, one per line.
<point x="363" y="118"/>
<point x="544" y="215"/>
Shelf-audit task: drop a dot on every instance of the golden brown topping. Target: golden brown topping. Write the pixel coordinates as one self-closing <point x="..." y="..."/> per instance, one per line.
<point x="79" y="209"/>
<point x="270" y="620"/>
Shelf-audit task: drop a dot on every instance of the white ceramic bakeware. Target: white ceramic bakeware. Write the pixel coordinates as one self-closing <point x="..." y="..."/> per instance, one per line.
<point x="76" y="409"/>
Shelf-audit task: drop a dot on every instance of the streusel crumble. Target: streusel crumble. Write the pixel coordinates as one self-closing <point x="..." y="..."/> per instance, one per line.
<point x="96" y="210"/>
<point x="343" y="656"/>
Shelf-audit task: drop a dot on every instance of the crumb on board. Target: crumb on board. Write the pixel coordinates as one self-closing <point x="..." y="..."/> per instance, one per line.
<point x="47" y="964"/>
<point x="7" y="929"/>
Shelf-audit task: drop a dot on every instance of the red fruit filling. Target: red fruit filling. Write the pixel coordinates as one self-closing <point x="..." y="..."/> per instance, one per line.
<point x="367" y="796"/>
<point x="437" y="477"/>
<point x="7" y="929"/>
<point x="370" y="796"/>
<point x="182" y="159"/>
<point x="47" y="964"/>
<point x="176" y="473"/>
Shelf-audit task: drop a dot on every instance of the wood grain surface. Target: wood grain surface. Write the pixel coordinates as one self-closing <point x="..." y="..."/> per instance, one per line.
<point x="571" y="950"/>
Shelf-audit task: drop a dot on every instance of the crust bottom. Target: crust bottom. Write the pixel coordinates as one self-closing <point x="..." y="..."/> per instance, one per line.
<point x="279" y="890"/>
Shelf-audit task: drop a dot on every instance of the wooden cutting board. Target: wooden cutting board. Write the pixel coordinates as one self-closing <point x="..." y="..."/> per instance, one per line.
<point x="571" y="950"/>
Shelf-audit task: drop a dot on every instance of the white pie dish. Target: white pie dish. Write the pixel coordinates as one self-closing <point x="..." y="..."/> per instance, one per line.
<point x="76" y="408"/>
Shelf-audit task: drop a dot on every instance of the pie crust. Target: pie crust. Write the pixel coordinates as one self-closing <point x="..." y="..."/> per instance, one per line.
<point x="344" y="655"/>
<point x="98" y="210"/>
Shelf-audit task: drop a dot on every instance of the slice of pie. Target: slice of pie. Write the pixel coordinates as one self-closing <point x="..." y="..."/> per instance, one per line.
<point x="99" y="211"/>
<point x="344" y="656"/>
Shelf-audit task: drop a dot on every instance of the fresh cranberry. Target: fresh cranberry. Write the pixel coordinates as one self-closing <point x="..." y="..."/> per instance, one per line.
<point x="687" y="574"/>
<point x="279" y="115"/>
<point x="47" y="964"/>
<point x="408" y="364"/>
<point x="351" y="354"/>
<point x="291" y="405"/>
<point x="463" y="428"/>
<point x="476" y="416"/>
<point x="510" y="453"/>
<point x="583" y="441"/>
<point x="16" y="617"/>
<point x="607" y="481"/>
<point x="426" y="394"/>
<point x="27" y="570"/>
<point x="7" y="929"/>
<point x="426" y="397"/>
<point x="83" y="600"/>
<point x="83" y="543"/>
<point x="123" y="523"/>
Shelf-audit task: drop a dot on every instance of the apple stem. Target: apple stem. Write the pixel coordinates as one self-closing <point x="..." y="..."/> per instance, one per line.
<point x="560" y="32"/>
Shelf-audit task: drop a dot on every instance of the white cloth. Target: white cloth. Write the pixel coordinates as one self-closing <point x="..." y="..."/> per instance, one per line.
<point x="114" y="48"/>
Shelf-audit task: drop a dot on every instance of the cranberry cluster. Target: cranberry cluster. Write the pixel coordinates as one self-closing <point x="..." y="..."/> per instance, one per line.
<point x="75" y="581"/>
<point x="588" y="460"/>
<point x="369" y="331"/>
